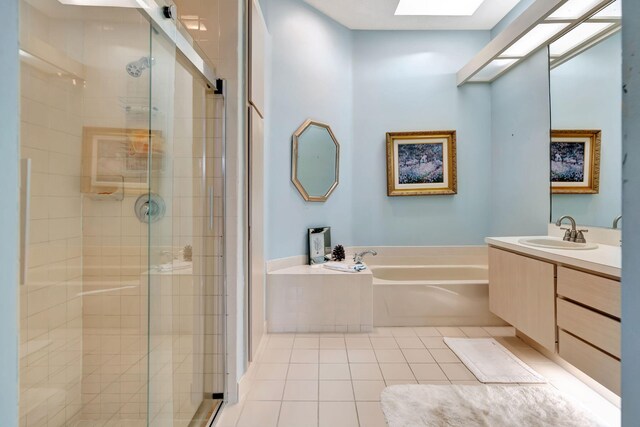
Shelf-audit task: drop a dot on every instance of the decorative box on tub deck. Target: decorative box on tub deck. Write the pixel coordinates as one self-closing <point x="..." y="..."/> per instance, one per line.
<point x="307" y="298"/>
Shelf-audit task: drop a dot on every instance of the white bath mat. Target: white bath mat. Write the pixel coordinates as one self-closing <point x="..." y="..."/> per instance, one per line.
<point x="481" y="405"/>
<point x="490" y="362"/>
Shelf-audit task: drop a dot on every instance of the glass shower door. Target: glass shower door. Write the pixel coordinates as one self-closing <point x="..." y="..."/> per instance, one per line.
<point x="182" y="242"/>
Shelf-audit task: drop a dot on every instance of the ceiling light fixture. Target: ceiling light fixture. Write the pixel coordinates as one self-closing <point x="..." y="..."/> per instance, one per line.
<point x="576" y="37"/>
<point x="144" y="4"/>
<point x="438" y="7"/>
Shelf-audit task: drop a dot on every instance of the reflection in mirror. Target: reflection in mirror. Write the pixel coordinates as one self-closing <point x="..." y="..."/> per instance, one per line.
<point x="586" y="97"/>
<point x="315" y="161"/>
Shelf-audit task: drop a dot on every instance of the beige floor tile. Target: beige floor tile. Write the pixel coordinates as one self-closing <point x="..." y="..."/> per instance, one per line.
<point x="418" y="355"/>
<point x="409" y="342"/>
<point x="444" y="355"/>
<point x="259" y="414"/>
<point x="336" y="391"/>
<point x="450" y="331"/>
<point x="428" y="371"/>
<point x="435" y="382"/>
<point x="331" y="343"/>
<point x="396" y="371"/>
<point x="334" y="371"/>
<point x="368" y="390"/>
<point x="338" y="414"/>
<point x="280" y="342"/>
<point x="433" y="342"/>
<point x="427" y="331"/>
<point x="229" y="416"/>
<point x="500" y="331"/>
<point x="384" y="342"/>
<point x="306" y="342"/>
<point x="381" y="332"/>
<point x="361" y="356"/>
<point x="474" y="331"/>
<point x="298" y="414"/>
<point x="402" y="331"/>
<point x="266" y="390"/>
<point x="370" y="414"/>
<point x="299" y="355"/>
<point x="400" y="382"/>
<point x="333" y="356"/>
<point x="457" y="372"/>
<point x="390" y="356"/>
<point x="365" y="371"/>
<point x="358" y="343"/>
<point x="468" y="382"/>
<point x="275" y="355"/>
<point x="303" y="371"/>
<point x="271" y="371"/>
<point x="301" y="390"/>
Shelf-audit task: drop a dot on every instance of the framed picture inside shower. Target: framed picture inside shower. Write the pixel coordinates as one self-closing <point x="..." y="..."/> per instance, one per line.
<point x="319" y="241"/>
<point x="575" y="161"/>
<point x="421" y="163"/>
<point x="118" y="160"/>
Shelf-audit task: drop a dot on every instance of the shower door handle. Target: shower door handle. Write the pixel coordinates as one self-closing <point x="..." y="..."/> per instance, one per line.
<point x="211" y="207"/>
<point x="25" y="214"/>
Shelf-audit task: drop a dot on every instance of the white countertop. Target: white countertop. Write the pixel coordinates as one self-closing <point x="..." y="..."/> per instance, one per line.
<point x="605" y="259"/>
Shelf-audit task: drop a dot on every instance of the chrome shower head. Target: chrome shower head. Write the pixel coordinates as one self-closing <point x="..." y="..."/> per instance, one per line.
<point x="136" y="68"/>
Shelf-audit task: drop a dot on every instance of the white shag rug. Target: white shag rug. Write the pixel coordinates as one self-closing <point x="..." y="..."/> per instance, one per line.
<point x="481" y="406"/>
<point x="491" y="362"/>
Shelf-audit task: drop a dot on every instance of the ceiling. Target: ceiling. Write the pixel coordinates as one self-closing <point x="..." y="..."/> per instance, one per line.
<point x="379" y="15"/>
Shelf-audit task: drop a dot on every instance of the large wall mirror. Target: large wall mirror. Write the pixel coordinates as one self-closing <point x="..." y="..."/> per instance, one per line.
<point x="315" y="161"/>
<point x="586" y="110"/>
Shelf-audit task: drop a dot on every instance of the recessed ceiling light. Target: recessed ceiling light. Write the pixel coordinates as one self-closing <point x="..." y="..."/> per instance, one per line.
<point x="577" y="36"/>
<point x="438" y="7"/>
<point x="108" y="3"/>
<point x="537" y="37"/>
<point x="574" y="9"/>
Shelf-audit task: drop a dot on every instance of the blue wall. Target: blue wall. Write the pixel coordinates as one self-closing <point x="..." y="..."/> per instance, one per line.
<point x="520" y="127"/>
<point x="310" y="79"/>
<point x="585" y="94"/>
<point x="406" y="81"/>
<point x="9" y="86"/>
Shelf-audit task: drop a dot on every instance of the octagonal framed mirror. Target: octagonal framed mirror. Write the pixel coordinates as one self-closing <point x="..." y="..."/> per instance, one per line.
<point x="315" y="161"/>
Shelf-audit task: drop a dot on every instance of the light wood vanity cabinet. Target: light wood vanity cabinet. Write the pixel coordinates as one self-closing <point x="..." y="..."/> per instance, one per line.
<point x="522" y="292"/>
<point x="552" y="303"/>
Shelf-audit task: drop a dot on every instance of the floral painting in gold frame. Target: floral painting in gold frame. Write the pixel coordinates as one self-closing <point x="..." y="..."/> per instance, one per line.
<point x="118" y="160"/>
<point x="421" y="163"/>
<point x="575" y="161"/>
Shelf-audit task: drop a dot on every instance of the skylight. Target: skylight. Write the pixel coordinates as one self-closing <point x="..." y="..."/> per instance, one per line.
<point x="577" y="36"/>
<point x="532" y="40"/>
<point x="438" y="7"/>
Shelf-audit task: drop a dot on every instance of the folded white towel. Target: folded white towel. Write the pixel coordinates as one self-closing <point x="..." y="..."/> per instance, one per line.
<point x="347" y="268"/>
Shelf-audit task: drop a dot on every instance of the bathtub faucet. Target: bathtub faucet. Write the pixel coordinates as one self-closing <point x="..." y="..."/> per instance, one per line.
<point x="359" y="256"/>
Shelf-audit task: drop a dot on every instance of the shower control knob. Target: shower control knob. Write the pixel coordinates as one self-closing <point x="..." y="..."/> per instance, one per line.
<point x="170" y="12"/>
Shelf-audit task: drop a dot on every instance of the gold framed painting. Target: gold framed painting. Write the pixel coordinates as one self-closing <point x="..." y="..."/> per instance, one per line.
<point x="575" y="161"/>
<point x="119" y="160"/>
<point x="421" y="163"/>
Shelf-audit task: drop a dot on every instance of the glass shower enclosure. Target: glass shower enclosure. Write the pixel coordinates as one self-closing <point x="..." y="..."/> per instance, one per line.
<point x="121" y="278"/>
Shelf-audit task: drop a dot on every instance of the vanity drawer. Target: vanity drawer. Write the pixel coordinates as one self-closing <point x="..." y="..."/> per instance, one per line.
<point x="593" y="362"/>
<point x="601" y="331"/>
<point x="593" y="291"/>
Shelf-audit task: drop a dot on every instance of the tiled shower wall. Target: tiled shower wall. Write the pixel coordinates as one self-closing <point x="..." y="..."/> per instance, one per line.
<point x="50" y="304"/>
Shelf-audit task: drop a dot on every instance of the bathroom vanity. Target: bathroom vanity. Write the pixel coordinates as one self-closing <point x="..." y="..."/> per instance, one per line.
<point x="568" y="301"/>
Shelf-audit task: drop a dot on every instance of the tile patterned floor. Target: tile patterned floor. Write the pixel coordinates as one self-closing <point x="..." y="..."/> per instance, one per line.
<point x="335" y="380"/>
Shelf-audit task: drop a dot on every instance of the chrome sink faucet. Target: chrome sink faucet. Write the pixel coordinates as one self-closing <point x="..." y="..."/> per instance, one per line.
<point x="359" y="256"/>
<point x="571" y="235"/>
<point x="616" y="221"/>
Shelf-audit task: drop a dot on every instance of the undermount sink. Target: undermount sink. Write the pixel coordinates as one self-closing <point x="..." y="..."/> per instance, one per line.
<point x="556" y="243"/>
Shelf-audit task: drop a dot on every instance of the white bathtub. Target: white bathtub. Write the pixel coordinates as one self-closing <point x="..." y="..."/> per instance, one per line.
<point x="432" y="287"/>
